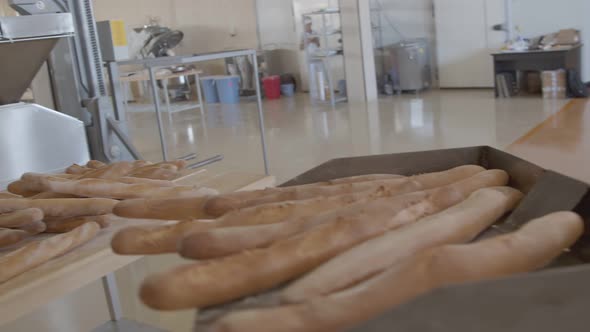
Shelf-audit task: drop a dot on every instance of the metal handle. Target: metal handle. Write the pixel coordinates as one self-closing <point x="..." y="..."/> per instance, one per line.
<point x="206" y="162"/>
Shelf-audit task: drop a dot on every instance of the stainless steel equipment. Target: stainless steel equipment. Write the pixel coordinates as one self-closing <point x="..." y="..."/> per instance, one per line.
<point x="76" y="69"/>
<point x="409" y="65"/>
<point x="32" y="137"/>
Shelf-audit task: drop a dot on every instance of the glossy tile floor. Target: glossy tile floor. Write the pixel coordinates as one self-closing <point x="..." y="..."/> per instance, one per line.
<point x="301" y="136"/>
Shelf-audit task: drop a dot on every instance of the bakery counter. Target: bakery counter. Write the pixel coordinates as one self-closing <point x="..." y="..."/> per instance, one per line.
<point x="560" y="143"/>
<point x="94" y="260"/>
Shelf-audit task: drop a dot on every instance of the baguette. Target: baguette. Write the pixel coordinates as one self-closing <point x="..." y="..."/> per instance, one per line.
<point x="192" y="208"/>
<point x="265" y="213"/>
<point x="34" y="228"/>
<point x="160" y="183"/>
<point x="155" y="240"/>
<point x="67" y="207"/>
<point x="95" y="164"/>
<point x="76" y="169"/>
<point x="157" y="173"/>
<point x="64" y="225"/>
<point x="4" y="195"/>
<point x="21" y="188"/>
<point x="225" y="241"/>
<point x="250" y="272"/>
<point x="110" y="188"/>
<point x="220" y="205"/>
<point x="163" y="209"/>
<point x="9" y="237"/>
<point x="140" y="163"/>
<point x="459" y="224"/>
<point x="48" y="195"/>
<point x="110" y="172"/>
<point x="20" y="218"/>
<point x="531" y="248"/>
<point x="37" y="253"/>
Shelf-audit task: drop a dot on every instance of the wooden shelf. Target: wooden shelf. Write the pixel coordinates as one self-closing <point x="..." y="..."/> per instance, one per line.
<point x="35" y="288"/>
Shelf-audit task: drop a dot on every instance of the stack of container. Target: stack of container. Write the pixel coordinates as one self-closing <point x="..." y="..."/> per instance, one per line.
<point x="554" y="84"/>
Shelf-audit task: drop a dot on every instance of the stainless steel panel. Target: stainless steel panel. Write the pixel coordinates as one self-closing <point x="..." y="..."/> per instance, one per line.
<point x="36" y="139"/>
<point x="36" y="26"/>
<point x="19" y="63"/>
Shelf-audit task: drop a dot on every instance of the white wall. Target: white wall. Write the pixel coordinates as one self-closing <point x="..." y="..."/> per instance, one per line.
<point x="413" y="19"/>
<point x="538" y="17"/>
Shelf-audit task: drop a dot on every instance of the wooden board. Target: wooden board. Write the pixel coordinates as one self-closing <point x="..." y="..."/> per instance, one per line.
<point x="94" y="260"/>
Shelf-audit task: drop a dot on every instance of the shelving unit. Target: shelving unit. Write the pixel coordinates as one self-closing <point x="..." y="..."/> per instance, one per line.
<point x="323" y="57"/>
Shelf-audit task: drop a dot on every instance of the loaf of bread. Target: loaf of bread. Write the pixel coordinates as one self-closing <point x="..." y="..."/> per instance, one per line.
<point x="20" y="218"/>
<point x="67" y="207"/>
<point x="530" y="248"/>
<point x="459" y="224"/>
<point x="4" y="195"/>
<point x="20" y="188"/>
<point x="76" y="169"/>
<point x="258" y="270"/>
<point x="222" y="204"/>
<point x="9" y="237"/>
<point x="64" y="225"/>
<point x="113" y="171"/>
<point x="110" y="188"/>
<point x="156" y="239"/>
<point x="34" y="227"/>
<point x="37" y="253"/>
<point x="95" y="164"/>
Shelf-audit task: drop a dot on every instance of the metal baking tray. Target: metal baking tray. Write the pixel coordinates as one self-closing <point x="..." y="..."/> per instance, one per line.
<point x="553" y="299"/>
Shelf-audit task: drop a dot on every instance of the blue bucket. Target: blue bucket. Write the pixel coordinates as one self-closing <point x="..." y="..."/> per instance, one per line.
<point x="228" y="89"/>
<point x="288" y="90"/>
<point x="209" y="89"/>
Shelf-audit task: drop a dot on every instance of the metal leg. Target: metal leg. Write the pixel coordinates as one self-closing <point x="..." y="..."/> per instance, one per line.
<point x="158" y="112"/>
<point x="328" y="71"/>
<point x="199" y="92"/>
<point x="167" y="98"/>
<point x="109" y="283"/>
<point x="114" y="126"/>
<point x="260" y="114"/>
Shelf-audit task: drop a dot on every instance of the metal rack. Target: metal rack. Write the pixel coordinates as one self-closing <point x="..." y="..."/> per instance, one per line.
<point x="153" y="64"/>
<point x="323" y="55"/>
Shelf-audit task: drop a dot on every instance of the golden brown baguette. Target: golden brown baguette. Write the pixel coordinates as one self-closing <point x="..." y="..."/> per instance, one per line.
<point x="254" y="271"/>
<point x="20" y="218"/>
<point x="459" y="224"/>
<point x="76" y="169"/>
<point x="113" y="171"/>
<point x="222" y="204"/>
<point x="160" y="183"/>
<point x="110" y="188"/>
<point x="531" y="248"/>
<point x="64" y="225"/>
<point x="95" y="164"/>
<point x="21" y="188"/>
<point x="34" y="228"/>
<point x="48" y="195"/>
<point x="157" y="173"/>
<point x="37" y="253"/>
<point x="155" y="240"/>
<point x="9" y="237"/>
<point x="265" y="213"/>
<point x="67" y="207"/>
<point x="4" y="195"/>
<point x="221" y="242"/>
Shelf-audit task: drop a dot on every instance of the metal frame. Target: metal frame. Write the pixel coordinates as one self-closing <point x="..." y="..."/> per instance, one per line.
<point x="153" y="64"/>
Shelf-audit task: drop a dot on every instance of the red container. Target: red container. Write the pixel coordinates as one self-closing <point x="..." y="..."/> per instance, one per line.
<point x="272" y="87"/>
